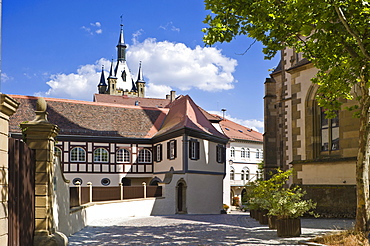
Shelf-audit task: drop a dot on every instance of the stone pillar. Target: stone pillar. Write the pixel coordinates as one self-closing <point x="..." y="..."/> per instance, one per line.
<point x="8" y="106"/>
<point x="39" y="135"/>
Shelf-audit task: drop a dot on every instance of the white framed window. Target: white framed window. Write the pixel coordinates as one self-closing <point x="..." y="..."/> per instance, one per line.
<point x="158" y="152"/>
<point x="193" y="149"/>
<point x="245" y="174"/>
<point x="232" y="173"/>
<point x="258" y="154"/>
<point x="232" y="152"/>
<point x="242" y="153"/>
<point x="144" y="156"/>
<point x="100" y="155"/>
<point x="248" y="153"/>
<point x="78" y="154"/>
<point x="171" y="149"/>
<point x="123" y="156"/>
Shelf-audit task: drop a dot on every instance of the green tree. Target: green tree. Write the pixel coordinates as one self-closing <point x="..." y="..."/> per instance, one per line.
<point x="332" y="34"/>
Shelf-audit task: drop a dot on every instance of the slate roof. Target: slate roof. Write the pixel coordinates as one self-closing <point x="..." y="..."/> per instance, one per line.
<point x="238" y="132"/>
<point x="92" y="119"/>
<point x="125" y="100"/>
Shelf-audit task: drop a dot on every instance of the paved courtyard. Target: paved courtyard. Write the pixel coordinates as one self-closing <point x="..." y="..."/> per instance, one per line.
<point x="224" y="229"/>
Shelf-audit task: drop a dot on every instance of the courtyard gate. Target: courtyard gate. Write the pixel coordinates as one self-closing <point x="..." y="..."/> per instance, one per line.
<point x="21" y="193"/>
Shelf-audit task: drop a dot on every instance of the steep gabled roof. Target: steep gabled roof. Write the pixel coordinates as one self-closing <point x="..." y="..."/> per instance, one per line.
<point x="238" y="132"/>
<point x="184" y="113"/>
<point x="91" y="118"/>
<point x="125" y="100"/>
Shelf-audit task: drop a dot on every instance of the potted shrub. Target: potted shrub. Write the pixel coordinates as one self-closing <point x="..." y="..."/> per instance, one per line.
<point x="288" y="206"/>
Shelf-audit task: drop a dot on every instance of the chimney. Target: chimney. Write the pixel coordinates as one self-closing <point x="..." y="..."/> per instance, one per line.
<point x="173" y="95"/>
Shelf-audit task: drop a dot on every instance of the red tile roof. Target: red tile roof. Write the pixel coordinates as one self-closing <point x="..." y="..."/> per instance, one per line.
<point x="125" y="100"/>
<point x="184" y="113"/>
<point x="238" y="132"/>
<point x="91" y="118"/>
<point x="117" y="120"/>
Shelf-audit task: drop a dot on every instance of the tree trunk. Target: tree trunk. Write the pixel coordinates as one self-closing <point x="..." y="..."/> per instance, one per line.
<point x="362" y="166"/>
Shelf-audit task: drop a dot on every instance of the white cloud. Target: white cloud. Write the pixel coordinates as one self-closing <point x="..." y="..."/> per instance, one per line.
<point x="166" y="66"/>
<point x="94" y="28"/>
<point x="80" y="85"/>
<point x="5" y="77"/>
<point x="157" y="91"/>
<point x="170" y="26"/>
<point x="256" y="125"/>
<point x="176" y="65"/>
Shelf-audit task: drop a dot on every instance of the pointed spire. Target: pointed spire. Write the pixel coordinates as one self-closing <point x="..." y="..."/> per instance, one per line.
<point x="133" y="89"/>
<point x="121" y="46"/>
<point x="102" y="86"/>
<point x="111" y="71"/>
<point x="102" y="77"/>
<point x="140" y="74"/>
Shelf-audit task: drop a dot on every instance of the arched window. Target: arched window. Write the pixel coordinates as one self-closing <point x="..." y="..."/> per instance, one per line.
<point x="242" y="154"/>
<point x="246" y="173"/>
<point x="145" y="156"/>
<point x="100" y="155"/>
<point x="232" y="173"/>
<point x="78" y="154"/>
<point x="123" y="156"/>
<point x="232" y="152"/>
<point x="248" y="153"/>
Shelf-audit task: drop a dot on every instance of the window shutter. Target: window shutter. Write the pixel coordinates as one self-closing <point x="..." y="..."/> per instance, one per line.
<point x="155" y="153"/>
<point x="197" y="150"/>
<point x="168" y="150"/>
<point x="175" y="148"/>
<point x="217" y="153"/>
<point x="160" y="152"/>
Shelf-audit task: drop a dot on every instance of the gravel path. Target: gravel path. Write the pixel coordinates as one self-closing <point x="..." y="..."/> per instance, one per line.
<point x="224" y="229"/>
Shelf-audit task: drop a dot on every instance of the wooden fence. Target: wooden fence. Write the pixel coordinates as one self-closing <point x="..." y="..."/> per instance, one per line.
<point x="111" y="193"/>
<point x="21" y="193"/>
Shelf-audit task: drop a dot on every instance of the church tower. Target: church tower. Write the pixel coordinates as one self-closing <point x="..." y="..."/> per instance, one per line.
<point x="140" y="83"/>
<point x="112" y="81"/>
<point x="120" y="80"/>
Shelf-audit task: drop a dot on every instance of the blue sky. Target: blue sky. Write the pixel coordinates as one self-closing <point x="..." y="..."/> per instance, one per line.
<point x="57" y="48"/>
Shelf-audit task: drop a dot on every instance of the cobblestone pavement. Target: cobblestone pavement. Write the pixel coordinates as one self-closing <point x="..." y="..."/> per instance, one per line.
<point x="236" y="228"/>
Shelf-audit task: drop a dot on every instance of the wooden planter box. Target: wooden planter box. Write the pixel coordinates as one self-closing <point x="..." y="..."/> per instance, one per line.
<point x="272" y="222"/>
<point x="288" y="227"/>
<point x="252" y="213"/>
<point x="263" y="217"/>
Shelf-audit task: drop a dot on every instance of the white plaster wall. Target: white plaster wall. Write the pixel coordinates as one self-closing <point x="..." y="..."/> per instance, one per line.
<point x="204" y="194"/>
<point x="207" y="158"/>
<point x="238" y="163"/>
<point x="115" y="178"/>
<point x="166" y="164"/>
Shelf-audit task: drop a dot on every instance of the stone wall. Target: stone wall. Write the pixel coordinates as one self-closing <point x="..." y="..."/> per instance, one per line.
<point x="8" y="107"/>
<point x="333" y="201"/>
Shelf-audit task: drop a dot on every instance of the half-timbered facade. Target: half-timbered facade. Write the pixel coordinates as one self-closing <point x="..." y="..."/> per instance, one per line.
<point x="176" y="147"/>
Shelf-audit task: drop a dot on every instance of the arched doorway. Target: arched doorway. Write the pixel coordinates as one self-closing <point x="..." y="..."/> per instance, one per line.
<point x="181" y="196"/>
<point x="244" y="193"/>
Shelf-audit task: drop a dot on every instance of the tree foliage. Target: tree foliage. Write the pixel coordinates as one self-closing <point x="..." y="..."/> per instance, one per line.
<point x="333" y="34"/>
